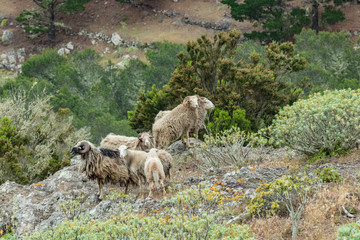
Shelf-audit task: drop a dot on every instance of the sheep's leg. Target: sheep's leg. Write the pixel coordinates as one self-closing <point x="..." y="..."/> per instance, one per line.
<point x="100" y="183"/>
<point x="126" y="187"/>
<point x="182" y="139"/>
<point x="162" y="186"/>
<point x="151" y="185"/>
<point x="187" y="139"/>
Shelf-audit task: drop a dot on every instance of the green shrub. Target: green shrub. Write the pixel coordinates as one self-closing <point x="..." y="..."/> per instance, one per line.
<point x="328" y="175"/>
<point x="49" y="134"/>
<point x="231" y="147"/>
<point x="3" y="22"/>
<point x="350" y="231"/>
<point x="222" y="120"/>
<point x="134" y="226"/>
<point x="332" y="15"/>
<point x="329" y="66"/>
<point x="328" y="122"/>
<point x="12" y="154"/>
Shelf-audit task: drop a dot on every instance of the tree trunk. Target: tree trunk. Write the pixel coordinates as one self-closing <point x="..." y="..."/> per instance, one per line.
<point x="51" y="33"/>
<point x="315" y="16"/>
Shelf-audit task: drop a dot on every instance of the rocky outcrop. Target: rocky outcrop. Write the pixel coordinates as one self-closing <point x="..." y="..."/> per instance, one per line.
<point x="7" y="37"/>
<point x="12" y="60"/>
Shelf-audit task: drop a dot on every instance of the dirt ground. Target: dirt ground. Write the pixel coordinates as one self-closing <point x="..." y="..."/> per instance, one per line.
<point x="136" y="23"/>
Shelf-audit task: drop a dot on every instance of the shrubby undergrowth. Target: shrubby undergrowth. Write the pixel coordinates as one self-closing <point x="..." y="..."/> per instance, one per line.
<point x="328" y="122"/>
<point x="38" y="138"/>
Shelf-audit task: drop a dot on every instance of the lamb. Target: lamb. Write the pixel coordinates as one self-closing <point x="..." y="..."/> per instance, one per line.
<point x="102" y="165"/>
<point x="154" y="172"/>
<point x="204" y="105"/>
<point x="176" y="123"/>
<point x="141" y="142"/>
<point x="135" y="161"/>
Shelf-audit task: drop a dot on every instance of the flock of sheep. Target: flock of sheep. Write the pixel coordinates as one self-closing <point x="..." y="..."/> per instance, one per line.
<point x="134" y="160"/>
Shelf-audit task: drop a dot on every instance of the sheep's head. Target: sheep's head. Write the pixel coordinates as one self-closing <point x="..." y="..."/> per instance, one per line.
<point x="191" y="101"/>
<point x="123" y="151"/>
<point x="208" y="105"/>
<point x="81" y="147"/>
<point x="145" y="140"/>
<point x="153" y="152"/>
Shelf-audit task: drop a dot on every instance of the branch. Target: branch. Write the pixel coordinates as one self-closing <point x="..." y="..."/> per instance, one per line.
<point x="346" y="212"/>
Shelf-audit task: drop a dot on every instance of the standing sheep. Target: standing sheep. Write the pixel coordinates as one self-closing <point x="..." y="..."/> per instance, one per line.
<point x="135" y="160"/>
<point x="204" y="105"/>
<point x="176" y="123"/>
<point x="154" y="172"/>
<point x="102" y="165"/>
<point x="141" y="142"/>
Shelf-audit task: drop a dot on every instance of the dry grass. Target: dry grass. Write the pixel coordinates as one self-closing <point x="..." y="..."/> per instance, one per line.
<point x="321" y="218"/>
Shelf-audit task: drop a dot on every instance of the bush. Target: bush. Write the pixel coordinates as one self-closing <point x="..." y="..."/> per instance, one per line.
<point x="328" y="122"/>
<point x="332" y="61"/>
<point x="222" y="120"/>
<point x="12" y="154"/>
<point x="328" y="175"/>
<point x="49" y="134"/>
<point x="164" y="225"/>
<point x="231" y="147"/>
<point x="350" y="231"/>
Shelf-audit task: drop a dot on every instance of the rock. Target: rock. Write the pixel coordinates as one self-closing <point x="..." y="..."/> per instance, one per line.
<point x="116" y="39"/>
<point x="160" y="19"/>
<point x="178" y="147"/>
<point x="225" y="24"/>
<point x="70" y="46"/>
<point x="63" y="51"/>
<point x="93" y="42"/>
<point x="145" y="13"/>
<point x="177" y="22"/>
<point x="7" y="37"/>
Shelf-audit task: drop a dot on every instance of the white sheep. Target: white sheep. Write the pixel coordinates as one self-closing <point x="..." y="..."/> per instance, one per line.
<point x="102" y="165"/>
<point x="135" y="160"/>
<point x="176" y="123"/>
<point x="141" y="142"/>
<point x="154" y="172"/>
<point x="204" y="105"/>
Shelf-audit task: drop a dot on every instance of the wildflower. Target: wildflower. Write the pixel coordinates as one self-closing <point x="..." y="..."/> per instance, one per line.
<point x="252" y="169"/>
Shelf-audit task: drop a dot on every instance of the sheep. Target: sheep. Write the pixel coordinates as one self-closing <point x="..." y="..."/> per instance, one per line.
<point x="135" y="161"/>
<point x="154" y="172"/>
<point x="102" y="165"/>
<point x="176" y="123"/>
<point x="141" y="142"/>
<point x="204" y="105"/>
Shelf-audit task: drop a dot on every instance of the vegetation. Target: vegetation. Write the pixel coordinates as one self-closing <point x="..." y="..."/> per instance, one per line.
<point x="281" y="23"/>
<point x="327" y="122"/>
<point x="328" y="175"/>
<point x="209" y="70"/>
<point x="349" y="231"/>
<point x="289" y="190"/>
<point x="36" y="139"/>
<point x="43" y="19"/>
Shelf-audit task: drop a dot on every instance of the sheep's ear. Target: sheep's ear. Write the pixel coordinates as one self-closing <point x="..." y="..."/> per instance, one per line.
<point x="139" y="136"/>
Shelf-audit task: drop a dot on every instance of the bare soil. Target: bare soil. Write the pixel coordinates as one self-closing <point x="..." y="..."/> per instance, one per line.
<point x="137" y="23"/>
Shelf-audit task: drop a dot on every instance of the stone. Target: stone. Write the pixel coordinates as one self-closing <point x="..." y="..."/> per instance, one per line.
<point x="7" y="37"/>
<point x="93" y="42"/>
<point x="63" y="51"/>
<point x="177" y="22"/>
<point x="160" y="19"/>
<point x="116" y="39"/>
<point x="70" y="46"/>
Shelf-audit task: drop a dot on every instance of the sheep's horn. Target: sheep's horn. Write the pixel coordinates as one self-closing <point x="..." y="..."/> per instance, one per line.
<point x="86" y="147"/>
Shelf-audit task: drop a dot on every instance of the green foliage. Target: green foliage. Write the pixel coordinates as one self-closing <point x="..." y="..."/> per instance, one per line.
<point x="332" y="15"/>
<point x="328" y="175"/>
<point x="11" y="153"/>
<point x="277" y="24"/>
<point x="208" y="69"/>
<point x="73" y="208"/>
<point x="222" y="120"/>
<point x="289" y="190"/>
<point x="327" y="122"/>
<point x="350" y="231"/>
<point x="43" y="19"/>
<point x="49" y="135"/>
<point x="3" y="22"/>
<point x="332" y="61"/>
<point x="228" y="148"/>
